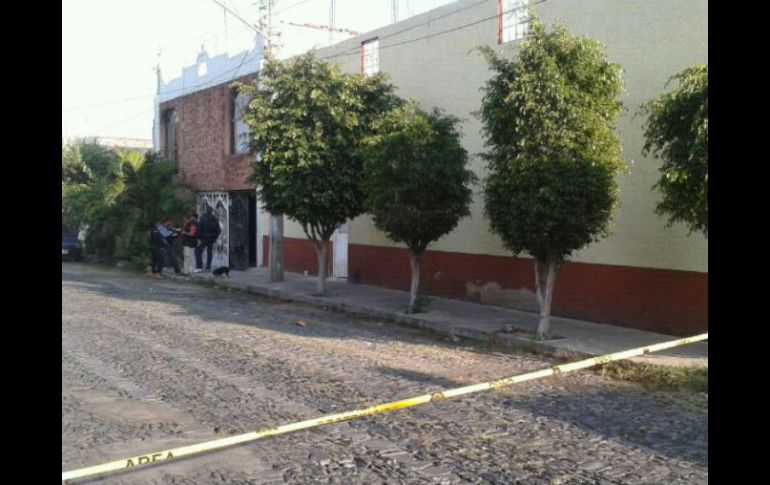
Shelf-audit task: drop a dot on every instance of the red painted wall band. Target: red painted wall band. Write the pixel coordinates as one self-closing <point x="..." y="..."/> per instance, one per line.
<point x="666" y="301"/>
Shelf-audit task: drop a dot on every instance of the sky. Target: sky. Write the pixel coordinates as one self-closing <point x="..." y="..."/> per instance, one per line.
<point x="110" y="48"/>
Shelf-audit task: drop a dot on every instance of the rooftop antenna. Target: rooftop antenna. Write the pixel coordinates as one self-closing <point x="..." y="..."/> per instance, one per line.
<point x="157" y="71"/>
<point x="323" y="27"/>
<point x="267" y="25"/>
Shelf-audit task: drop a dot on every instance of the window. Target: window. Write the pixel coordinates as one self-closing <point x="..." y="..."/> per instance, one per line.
<point x="169" y="129"/>
<point x="239" y="130"/>
<point x="512" y="21"/>
<point x="370" y="57"/>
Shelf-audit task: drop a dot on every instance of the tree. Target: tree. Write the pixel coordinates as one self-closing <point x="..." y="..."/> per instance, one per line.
<point x="417" y="180"/>
<point x="144" y="192"/>
<point x="101" y="161"/>
<point x="73" y="170"/>
<point x="548" y="117"/>
<point x="83" y="161"/>
<point x="677" y="130"/>
<point x="120" y="201"/>
<point x="307" y="120"/>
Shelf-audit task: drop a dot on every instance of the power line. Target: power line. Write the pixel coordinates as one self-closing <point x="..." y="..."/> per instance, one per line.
<point x="291" y="6"/>
<point x="220" y="76"/>
<point x="232" y="2"/>
<point x="240" y="64"/>
<point x="412" y="27"/>
<point x="108" y="103"/>
<point x="449" y="14"/>
<point x="355" y="50"/>
<point x="236" y="69"/>
<point x="453" y="29"/>
<point x="101" y="130"/>
<point x="208" y="34"/>
<point x="253" y="27"/>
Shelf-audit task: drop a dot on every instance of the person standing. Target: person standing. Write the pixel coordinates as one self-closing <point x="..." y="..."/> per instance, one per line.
<point x="190" y="241"/>
<point x="169" y="234"/>
<point x="82" y="234"/>
<point x="157" y="250"/>
<point x="208" y="233"/>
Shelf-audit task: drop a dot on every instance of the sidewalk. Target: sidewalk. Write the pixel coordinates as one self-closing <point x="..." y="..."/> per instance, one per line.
<point x="465" y="319"/>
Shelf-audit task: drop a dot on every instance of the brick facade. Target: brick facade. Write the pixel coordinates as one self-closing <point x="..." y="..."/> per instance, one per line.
<point x="203" y="140"/>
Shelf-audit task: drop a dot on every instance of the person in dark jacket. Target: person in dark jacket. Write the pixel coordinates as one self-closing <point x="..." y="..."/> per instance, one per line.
<point x="208" y="233"/>
<point x="170" y="235"/>
<point x="158" y="245"/>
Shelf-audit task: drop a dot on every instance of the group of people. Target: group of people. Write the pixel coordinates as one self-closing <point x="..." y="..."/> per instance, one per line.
<point x="196" y="234"/>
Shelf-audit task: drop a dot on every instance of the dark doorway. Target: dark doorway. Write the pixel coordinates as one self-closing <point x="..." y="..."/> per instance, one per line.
<point x="252" y="230"/>
<point x="239" y="230"/>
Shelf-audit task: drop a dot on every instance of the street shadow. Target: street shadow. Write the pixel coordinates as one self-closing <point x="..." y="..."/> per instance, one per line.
<point x="632" y="416"/>
<point x="417" y="377"/>
<point x="627" y="414"/>
<point x="208" y="303"/>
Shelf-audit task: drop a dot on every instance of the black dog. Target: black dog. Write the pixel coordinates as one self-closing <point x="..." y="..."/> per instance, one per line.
<point x="223" y="271"/>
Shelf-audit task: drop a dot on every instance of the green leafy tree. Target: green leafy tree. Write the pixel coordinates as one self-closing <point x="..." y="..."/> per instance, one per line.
<point x="307" y="120"/>
<point x="83" y="161"/>
<point x="677" y="130"/>
<point x="548" y="119"/>
<point x="73" y="170"/>
<point x="101" y="161"/>
<point x="417" y="180"/>
<point x="120" y="201"/>
<point x="144" y="192"/>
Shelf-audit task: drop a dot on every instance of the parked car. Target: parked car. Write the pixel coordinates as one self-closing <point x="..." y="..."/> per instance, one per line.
<point x="70" y="247"/>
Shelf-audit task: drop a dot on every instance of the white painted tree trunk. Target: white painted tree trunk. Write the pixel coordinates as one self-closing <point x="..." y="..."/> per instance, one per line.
<point x="320" y="251"/>
<point x="414" y="259"/>
<point x="545" y="276"/>
<point x="275" y="264"/>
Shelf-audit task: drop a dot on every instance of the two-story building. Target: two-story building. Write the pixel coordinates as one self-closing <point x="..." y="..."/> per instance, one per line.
<point x="645" y="275"/>
<point x="198" y="124"/>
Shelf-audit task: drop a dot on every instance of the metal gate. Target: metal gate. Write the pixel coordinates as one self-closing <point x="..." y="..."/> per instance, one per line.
<point x="220" y="202"/>
<point x="239" y="231"/>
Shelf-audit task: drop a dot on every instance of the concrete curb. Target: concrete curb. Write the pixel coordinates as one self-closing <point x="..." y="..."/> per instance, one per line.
<point x="510" y="341"/>
<point x="566" y="347"/>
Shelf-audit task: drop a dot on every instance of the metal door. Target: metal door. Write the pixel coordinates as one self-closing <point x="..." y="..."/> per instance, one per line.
<point x="220" y="202"/>
<point x="239" y="231"/>
<point x="340" y="250"/>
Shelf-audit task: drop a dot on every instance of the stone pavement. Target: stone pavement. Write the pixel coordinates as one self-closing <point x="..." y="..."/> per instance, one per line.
<point x="153" y="364"/>
<point x="465" y="319"/>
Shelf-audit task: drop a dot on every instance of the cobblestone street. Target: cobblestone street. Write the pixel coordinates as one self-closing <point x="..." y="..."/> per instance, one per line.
<point x="149" y="365"/>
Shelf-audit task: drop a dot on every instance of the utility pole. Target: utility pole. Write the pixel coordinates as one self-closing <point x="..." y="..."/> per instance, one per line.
<point x="276" y="261"/>
<point x="267" y="24"/>
<point x="332" y="8"/>
<point x="394" y="10"/>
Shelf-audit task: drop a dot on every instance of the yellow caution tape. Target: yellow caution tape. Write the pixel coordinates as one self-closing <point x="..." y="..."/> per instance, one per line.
<point x="165" y="455"/>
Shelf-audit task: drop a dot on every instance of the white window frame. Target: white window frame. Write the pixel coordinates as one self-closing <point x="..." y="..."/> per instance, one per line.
<point x="370" y="57"/>
<point x="240" y="128"/>
<point x="170" y="123"/>
<point x="514" y="19"/>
